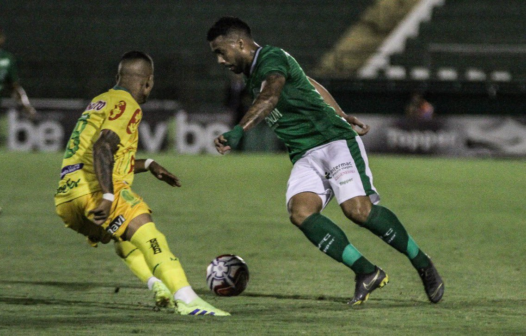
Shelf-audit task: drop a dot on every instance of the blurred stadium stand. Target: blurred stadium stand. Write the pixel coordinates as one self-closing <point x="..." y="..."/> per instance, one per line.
<point x="473" y="40"/>
<point x="70" y="49"/>
<point x="468" y="56"/>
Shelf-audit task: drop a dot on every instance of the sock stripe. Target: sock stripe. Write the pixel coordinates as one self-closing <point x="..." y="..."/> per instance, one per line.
<point x="126" y="256"/>
<point x="155" y="267"/>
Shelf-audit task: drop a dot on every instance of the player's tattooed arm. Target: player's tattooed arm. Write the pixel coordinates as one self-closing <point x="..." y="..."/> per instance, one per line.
<point x="265" y="102"/>
<point x="262" y="106"/>
<point x="329" y="99"/>
<point x="103" y="151"/>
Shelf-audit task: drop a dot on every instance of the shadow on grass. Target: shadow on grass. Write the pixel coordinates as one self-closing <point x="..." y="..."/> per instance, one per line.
<point x="41" y="301"/>
<point x="81" y="286"/>
<point x="448" y="303"/>
<point x="69" y="285"/>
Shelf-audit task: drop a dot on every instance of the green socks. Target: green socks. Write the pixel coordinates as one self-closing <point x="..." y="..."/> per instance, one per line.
<point x="384" y="223"/>
<point x="331" y="240"/>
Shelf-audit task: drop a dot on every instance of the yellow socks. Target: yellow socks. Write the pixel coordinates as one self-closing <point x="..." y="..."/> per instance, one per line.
<point x="134" y="259"/>
<point x="159" y="258"/>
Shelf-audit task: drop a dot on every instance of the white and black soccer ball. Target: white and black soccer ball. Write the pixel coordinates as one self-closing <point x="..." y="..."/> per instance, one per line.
<point x="227" y="275"/>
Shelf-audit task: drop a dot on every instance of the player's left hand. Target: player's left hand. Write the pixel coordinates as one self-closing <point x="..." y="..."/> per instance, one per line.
<point x="101" y="212"/>
<point x="363" y="128"/>
<point x="164" y="175"/>
<point x="220" y="143"/>
<point x="229" y="140"/>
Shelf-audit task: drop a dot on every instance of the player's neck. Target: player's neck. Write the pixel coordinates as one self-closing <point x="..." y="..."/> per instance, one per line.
<point x="253" y="58"/>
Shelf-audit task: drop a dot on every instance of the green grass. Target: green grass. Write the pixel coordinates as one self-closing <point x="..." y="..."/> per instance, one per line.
<point x="467" y="214"/>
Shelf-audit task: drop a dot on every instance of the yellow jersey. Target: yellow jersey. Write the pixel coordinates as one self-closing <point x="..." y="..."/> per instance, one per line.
<point x="115" y="110"/>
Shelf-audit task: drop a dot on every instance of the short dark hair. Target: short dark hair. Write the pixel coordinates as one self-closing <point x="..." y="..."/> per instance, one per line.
<point x="226" y="25"/>
<point x="134" y="55"/>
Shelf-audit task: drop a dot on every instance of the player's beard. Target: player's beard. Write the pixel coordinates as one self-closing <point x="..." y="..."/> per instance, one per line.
<point x="143" y="99"/>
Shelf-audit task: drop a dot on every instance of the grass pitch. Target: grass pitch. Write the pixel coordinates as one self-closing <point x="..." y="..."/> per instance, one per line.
<point x="467" y="214"/>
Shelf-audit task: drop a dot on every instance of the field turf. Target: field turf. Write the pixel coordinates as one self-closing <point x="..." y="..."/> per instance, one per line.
<point x="467" y="214"/>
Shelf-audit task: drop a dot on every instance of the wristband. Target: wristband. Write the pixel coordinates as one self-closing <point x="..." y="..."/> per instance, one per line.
<point x="109" y="197"/>
<point x="147" y="163"/>
<point x="233" y="137"/>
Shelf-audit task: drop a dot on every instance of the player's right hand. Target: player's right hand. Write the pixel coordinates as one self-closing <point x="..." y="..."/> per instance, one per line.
<point x="220" y="143"/>
<point x="363" y="128"/>
<point x="101" y="212"/>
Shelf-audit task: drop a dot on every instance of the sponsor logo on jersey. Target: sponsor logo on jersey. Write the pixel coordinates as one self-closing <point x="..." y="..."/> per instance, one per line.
<point x="67" y="186"/>
<point x="70" y="169"/>
<point x="134" y="122"/>
<point x="154" y="244"/>
<point x="130" y="198"/>
<point x="96" y="106"/>
<point x="273" y="118"/>
<point x="118" y="110"/>
<point x="341" y="170"/>
<point x="115" y="224"/>
<point x="346" y="181"/>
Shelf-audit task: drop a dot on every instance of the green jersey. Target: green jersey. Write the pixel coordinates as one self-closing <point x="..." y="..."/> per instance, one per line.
<point x="8" y="74"/>
<point x="301" y="119"/>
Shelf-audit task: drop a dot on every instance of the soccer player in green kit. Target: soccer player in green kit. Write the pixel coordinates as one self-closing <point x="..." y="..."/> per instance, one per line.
<point x="328" y="155"/>
<point x="9" y="78"/>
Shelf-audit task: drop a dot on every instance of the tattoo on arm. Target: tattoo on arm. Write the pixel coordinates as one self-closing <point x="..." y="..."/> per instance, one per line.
<point x="265" y="102"/>
<point x="103" y="151"/>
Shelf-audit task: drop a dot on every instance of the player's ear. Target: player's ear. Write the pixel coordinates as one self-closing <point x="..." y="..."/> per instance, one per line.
<point x="241" y="43"/>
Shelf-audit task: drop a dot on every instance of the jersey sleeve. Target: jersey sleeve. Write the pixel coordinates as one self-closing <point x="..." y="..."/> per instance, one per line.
<point x="274" y="61"/>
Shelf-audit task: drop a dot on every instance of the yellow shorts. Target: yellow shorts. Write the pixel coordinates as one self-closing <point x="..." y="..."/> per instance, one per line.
<point x="126" y="206"/>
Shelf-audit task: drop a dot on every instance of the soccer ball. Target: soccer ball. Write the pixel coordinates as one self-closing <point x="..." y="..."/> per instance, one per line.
<point x="227" y="275"/>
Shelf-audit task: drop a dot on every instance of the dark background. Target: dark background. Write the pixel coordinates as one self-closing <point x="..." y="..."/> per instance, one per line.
<point x="70" y="49"/>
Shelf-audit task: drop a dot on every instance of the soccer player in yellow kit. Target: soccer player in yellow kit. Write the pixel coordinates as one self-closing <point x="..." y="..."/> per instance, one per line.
<point x="94" y="196"/>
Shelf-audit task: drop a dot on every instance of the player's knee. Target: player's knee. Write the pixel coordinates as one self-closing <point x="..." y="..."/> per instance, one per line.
<point x="303" y="205"/>
<point x="357" y="210"/>
<point x="359" y="215"/>
<point x="299" y="215"/>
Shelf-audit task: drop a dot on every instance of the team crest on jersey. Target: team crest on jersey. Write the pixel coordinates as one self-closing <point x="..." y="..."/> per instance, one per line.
<point x="134" y="122"/>
<point x="96" y="106"/>
<point x="118" y="110"/>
